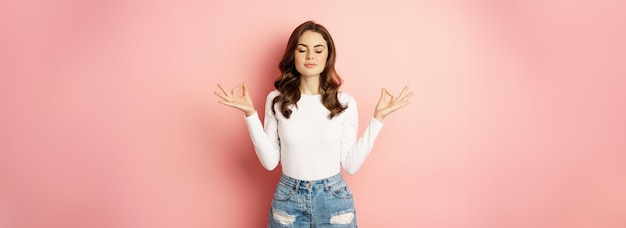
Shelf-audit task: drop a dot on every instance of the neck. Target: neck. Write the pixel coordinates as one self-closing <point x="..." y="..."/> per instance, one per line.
<point x="310" y="85"/>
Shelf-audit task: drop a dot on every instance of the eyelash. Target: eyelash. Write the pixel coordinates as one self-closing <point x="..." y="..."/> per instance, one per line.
<point x="302" y="51"/>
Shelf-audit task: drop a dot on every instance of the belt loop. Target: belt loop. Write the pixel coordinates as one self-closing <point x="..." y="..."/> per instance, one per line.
<point x="326" y="185"/>
<point x="297" y="184"/>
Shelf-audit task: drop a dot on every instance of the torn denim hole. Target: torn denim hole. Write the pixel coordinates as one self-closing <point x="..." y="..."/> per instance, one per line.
<point x="283" y="218"/>
<point x="345" y="218"/>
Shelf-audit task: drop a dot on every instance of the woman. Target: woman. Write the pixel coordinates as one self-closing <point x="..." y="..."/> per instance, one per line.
<point x="311" y="128"/>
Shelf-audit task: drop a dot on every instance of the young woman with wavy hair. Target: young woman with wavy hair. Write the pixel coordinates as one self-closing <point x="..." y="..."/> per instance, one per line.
<point x="311" y="129"/>
<point x="289" y="81"/>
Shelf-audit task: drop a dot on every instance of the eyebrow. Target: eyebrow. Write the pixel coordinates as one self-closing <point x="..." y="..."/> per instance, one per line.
<point x="319" y="45"/>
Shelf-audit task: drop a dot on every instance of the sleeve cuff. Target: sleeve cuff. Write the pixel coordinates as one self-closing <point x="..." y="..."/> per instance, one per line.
<point x="255" y="114"/>
<point x="376" y="122"/>
<point x="251" y="119"/>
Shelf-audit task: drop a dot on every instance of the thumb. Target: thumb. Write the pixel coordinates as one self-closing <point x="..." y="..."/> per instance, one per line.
<point x="245" y="89"/>
<point x="383" y="91"/>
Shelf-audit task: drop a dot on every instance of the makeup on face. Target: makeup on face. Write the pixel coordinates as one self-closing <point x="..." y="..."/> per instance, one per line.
<point x="311" y="54"/>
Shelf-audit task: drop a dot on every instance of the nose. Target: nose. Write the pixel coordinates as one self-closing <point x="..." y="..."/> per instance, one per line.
<point x="309" y="56"/>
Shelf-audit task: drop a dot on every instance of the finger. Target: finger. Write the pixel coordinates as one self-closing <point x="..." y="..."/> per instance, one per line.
<point x="403" y="91"/>
<point x="233" y="91"/>
<point x="400" y="101"/>
<point x="397" y="106"/>
<point x="231" y="104"/>
<point x="403" y="103"/>
<point x="222" y="88"/>
<point x="407" y="96"/>
<point x="225" y="103"/>
<point x="382" y="95"/>
<point x="223" y="96"/>
<point x="245" y="90"/>
<point x="390" y="94"/>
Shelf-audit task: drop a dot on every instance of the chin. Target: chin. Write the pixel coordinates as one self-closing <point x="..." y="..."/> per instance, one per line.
<point x="310" y="74"/>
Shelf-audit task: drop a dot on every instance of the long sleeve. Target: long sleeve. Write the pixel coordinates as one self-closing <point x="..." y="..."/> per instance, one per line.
<point x="353" y="152"/>
<point x="265" y="139"/>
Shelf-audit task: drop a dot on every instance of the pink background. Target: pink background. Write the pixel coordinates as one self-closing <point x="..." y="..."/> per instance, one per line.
<point x="108" y="117"/>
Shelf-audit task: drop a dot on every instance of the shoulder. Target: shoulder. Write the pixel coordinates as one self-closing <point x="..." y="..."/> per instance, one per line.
<point x="273" y="94"/>
<point x="345" y="98"/>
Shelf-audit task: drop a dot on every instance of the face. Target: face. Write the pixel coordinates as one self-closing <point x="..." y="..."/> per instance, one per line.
<point x="311" y="54"/>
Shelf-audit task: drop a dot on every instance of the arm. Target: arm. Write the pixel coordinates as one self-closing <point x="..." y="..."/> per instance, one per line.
<point x="265" y="140"/>
<point x="354" y="153"/>
<point x="266" y="143"/>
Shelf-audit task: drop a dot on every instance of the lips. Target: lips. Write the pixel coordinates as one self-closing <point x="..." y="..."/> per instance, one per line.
<point x="310" y="65"/>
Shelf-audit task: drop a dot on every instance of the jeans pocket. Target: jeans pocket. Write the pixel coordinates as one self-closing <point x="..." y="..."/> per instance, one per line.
<point x="341" y="191"/>
<point x="283" y="192"/>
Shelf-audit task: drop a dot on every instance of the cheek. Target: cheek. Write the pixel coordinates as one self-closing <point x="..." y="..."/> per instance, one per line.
<point x="298" y="59"/>
<point x="324" y="59"/>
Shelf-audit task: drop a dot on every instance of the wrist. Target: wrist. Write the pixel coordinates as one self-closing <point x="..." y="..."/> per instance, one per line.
<point x="250" y="112"/>
<point x="378" y="117"/>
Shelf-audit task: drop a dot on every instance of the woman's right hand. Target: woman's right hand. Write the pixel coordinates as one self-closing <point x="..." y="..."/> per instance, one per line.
<point x="232" y="99"/>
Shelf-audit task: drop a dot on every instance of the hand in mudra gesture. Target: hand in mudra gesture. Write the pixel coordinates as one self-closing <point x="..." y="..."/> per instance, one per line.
<point x="386" y="106"/>
<point x="233" y="98"/>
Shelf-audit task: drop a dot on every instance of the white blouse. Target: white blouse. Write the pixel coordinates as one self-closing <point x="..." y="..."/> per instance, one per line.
<point x="308" y="144"/>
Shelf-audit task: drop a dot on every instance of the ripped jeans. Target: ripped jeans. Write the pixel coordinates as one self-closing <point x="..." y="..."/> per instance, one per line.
<point x="320" y="203"/>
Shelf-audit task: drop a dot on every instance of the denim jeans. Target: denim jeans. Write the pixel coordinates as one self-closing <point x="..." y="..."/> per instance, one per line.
<point x="320" y="203"/>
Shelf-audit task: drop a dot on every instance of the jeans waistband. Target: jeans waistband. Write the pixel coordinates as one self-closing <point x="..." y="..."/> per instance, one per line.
<point x="315" y="184"/>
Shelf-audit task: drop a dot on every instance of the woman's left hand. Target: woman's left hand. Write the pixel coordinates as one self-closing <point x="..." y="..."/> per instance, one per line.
<point x="386" y="106"/>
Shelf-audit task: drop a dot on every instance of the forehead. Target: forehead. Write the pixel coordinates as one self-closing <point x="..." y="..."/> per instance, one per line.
<point x="311" y="39"/>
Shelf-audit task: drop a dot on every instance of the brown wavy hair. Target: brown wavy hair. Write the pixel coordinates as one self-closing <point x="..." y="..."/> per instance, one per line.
<point x="288" y="84"/>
